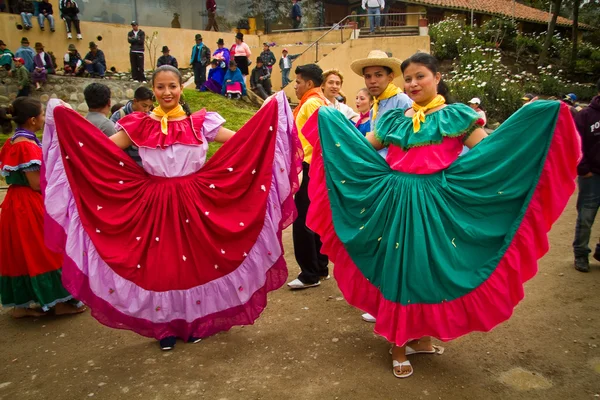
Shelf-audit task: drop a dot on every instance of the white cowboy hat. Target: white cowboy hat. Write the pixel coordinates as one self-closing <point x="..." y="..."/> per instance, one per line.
<point x="377" y="58"/>
<point x="475" y="100"/>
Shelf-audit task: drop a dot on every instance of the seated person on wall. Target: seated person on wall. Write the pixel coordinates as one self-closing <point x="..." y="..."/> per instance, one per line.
<point x="95" y="63"/>
<point x="166" y="58"/>
<point x="43" y="66"/>
<point x="6" y="57"/>
<point x="73" y="63"/>
<point x="234" y="86"/>
<point x="260" y="80"/>
<point x="25" y="8"/>
<point x="216" y="74"/>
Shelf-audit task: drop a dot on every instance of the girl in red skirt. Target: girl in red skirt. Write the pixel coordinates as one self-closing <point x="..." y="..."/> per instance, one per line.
<point x="29" y="271"/>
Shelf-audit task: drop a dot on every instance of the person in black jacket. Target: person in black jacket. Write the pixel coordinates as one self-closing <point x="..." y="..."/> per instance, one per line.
<point x="268" y="57"/>
<point x="166" y="58"/>
<point x="588" y="200"/>
<point x="199" y="60"/>
<point x="95" y="63"/>
<point x="260" y="79"/>
<point x="68" y="12"/>
<point x="136" y="39"/>
<point x="46" y="13"/>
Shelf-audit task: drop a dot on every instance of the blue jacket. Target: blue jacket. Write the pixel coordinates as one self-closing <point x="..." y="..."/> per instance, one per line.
<point x="204" y="55"/>
<point x="217" y="74"/>
<point x="235" y="76"/>
<point x="27" y="54"/>
<point x="296" y="11"/>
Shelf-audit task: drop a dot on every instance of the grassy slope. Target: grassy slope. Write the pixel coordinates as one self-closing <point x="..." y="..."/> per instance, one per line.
<point x="235" y="112"/>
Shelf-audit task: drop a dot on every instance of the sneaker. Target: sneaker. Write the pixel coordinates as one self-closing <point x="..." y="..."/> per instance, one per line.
<point x="167" y="343"/>
<point x="194" y="340"/>
<point x="79" y="37"/>
<point x="368" y="318"/>
<point x="298" y="284"/>
<point x="69" y="36"/>
<point x="582" y="264"/>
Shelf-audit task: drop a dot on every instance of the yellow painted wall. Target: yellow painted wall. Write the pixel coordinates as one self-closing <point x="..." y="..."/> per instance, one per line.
<point x="114" y="40"/>
<point x="306" y="37"/>
<point x="413" y="20"/>
<point x="400" y="47"/>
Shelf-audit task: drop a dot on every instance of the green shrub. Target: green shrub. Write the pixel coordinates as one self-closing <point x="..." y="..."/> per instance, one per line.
<point x="499" y="32"/>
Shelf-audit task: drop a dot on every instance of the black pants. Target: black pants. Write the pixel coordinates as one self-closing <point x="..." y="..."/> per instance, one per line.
<point x="263" y="90"/>
<point x="199" y="74"/>
<point x="24" y="92"/>
<point x="75" y="22"/>
<point x="307" y="244"/>
<point x="137" y="66"/>
<point x="295" y="24"/>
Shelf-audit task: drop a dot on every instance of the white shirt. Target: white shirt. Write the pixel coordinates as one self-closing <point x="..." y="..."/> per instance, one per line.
<point x="343" y="108"/>
<point x="286" y="63"/>
<point x="373" y="4"/>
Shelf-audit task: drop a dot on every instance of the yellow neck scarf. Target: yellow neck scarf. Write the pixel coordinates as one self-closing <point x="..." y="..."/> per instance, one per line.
<point x="177" y="112"/>
<point x="419" y="115"/>
<point x="390" y="91"/>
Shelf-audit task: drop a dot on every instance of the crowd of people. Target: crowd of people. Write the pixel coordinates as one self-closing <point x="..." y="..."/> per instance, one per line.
<point x="404" y="230"/>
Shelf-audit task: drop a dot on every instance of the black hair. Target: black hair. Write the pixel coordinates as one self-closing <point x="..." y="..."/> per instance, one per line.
<point x="232" y="63"/>
<point x="24" y="108"/>
<point x="431" y="63"/>
<point x="173" y="70"/>
<point x="97" y="95"/>
<point x="310" y="72"/>
<point x="598" y="85"/>
<point x="143" y="93"/>
<point x="115" y="108"/>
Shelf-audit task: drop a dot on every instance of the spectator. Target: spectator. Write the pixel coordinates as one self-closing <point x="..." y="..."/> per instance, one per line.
<point x="222" y="54"/>
<point x="22" y="75"/>
<point x="285" y="63"/>
<point x="115" y="107"/>
<point x="233" y="83"/>
<point x="268" y="57"/>
<point x="73" y="62"/>
<point x="97" y="98"/>
<point x="26" y="53"/>
<point x="373" y="8"/>
<point x="166" y="58"/>
<point x="296" y="15"/>
<point x="25" y="8"/>
<point x="588" y="171"/>
<point x="43" y="66"/>
<point x="571" y="100"/>
<point x="46" y="13"/>
<point x="143" y="101"/>
<point x="6" y="57"/>
<point x="364" y="102"/>
<point x="199" y="60"/>
<point x="475" y="104"/>
<point x="95" y="63"/>
<point x="136" y="38"/>
<point x="211" y="9"/>
<point x="216" y="74"/>
<point x="5" y="121"/>
<point x="260" y="80"/>
<point x="528" y="98"/>
<point x="69" y="13"/>
<point x="331" y="87"/>
<point x="241" y="54"/>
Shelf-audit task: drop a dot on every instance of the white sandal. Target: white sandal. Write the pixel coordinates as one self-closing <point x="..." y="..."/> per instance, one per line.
<point x="438" y="350"/>
<point x="396" y="364"/>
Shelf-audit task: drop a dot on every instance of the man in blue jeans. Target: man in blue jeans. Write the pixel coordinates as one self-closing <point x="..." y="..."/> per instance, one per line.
<point x="373" y="8"/>
<point x="588" y="200"/>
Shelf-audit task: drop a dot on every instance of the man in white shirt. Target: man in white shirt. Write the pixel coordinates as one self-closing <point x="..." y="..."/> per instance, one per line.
<point x="374" y="9"/>
<point x="331" y="87"/>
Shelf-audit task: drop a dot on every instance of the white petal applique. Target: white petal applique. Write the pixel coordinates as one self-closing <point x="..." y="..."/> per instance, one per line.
<point x="245" y="254"/>
<point x="97" y="230"/>
<point x="212" y="186"/>
<point x="230" y="169"/>
<point x="121" y="163"/>
<point x="156" y="238"/>
<point x="184" y="258"/>
<point x="206" y="213"/>
<point x="187" y="221"/>
<point x="241" y="224"/>
<point x="138" y="238"/>
<point x="253" y="171"/>
<point x="271" y="128"/>
<point x="99" y="208"/>
<point x="139" y="266"/>
<point x="120" y="182"/>
<point x="216" y="266"/>
<point x="263" y="188"/>
<point x="67" y="157"/>
<point x="222" y="251"/>
<point x="80" y="144"/>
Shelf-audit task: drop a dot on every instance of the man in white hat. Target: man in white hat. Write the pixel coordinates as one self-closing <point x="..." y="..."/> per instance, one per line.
<point x="379" y="71"/>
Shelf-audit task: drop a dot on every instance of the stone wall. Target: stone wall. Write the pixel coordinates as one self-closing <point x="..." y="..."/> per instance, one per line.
<point x="69" y="89"/>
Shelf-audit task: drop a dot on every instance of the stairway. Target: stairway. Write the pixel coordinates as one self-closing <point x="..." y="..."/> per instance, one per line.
<point x="386" y="31"/>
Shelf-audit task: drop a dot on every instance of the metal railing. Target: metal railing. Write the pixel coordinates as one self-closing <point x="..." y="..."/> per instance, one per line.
<point x="344" y="23"/>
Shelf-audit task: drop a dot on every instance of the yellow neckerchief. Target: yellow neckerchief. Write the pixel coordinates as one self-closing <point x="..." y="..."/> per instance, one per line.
<point x="419" y="115"/>
<point x="177" y="112"/>
<point x="390" y="91"/>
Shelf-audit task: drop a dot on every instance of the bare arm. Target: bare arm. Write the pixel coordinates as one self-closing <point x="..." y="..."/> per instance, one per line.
<point x="477" y="136"/>
<point x="34" y="180"/>
<point x="224" y="135"/>
<point x="374" y="141"/>
<point x="121" y="139"/>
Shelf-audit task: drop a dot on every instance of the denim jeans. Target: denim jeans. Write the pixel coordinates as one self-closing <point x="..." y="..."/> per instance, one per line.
<point x="588" y="202"/>
<point x="95" y="69"/>
<point x="374" y="18"/>
<point x="50" y="18"/>
<point x="285" y="76"/>
<point x="26" y="17"/>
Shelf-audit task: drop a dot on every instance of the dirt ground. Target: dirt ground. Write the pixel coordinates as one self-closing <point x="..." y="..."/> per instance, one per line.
<point x="312" y="345"/>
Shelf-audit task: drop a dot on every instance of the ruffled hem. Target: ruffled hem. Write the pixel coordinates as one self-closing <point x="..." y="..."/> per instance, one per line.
<point x="16" y="156"/>
<point x="494" y="300"/>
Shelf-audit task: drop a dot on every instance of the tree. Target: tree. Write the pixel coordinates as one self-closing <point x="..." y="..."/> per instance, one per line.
<point x="550" y="33"/>
<point x="574" y="35"/>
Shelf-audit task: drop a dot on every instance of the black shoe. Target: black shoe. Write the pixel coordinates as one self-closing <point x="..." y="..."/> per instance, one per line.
<point x="597" y="253"/>
<point x="194" y="340"/>
<point x="582" y="264"/>
<point x="52" y="30"/>
<point x="168" y="343"/>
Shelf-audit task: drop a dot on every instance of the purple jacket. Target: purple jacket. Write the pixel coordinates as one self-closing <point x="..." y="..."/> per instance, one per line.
<point x="37" y="60"/>
<point x="588" y="125"/>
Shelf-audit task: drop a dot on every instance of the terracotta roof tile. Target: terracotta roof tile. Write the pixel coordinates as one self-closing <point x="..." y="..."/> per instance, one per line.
<point x="501" y="8"/>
